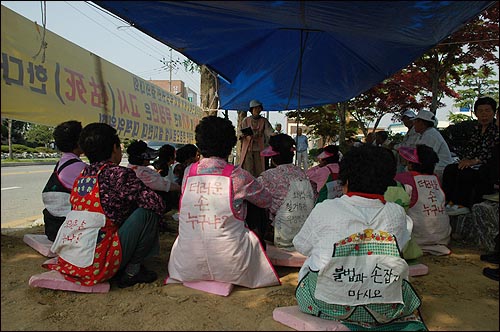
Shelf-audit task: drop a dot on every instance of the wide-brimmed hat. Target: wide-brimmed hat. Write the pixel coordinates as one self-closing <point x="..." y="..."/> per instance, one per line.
<point x="255" y="103"/>
<point x="426" y="116"/>
<point x="408" y="113"/>
<point x="409" y="154"/>
<point x="324" y="155"/>
<point x="268" y="152"/>
<point x="140" y="150"/>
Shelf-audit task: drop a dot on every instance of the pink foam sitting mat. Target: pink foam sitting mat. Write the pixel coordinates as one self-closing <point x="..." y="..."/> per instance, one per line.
<point x="214" y="287"/>
<point x="294" y="318"/>
<point x="209" y="286"/>
<point x="40" y="243"/>
<point x="418" y="270"/>
<point x="55" y="280"/>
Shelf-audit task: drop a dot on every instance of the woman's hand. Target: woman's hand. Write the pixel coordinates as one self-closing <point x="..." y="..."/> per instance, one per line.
<point x="464" y="163"/>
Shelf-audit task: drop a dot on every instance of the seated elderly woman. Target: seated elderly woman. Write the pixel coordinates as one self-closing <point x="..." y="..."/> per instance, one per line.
<point x="431" y="224"/>
<point x="325" y="174"/>
<point x="291" y="190"/>
<point x="427" y="134"/>
<point x="354" y="272"/>
<point x="139" y="159"/>
<point x="166" y="158"/>
<point x="113" y="223"/>
<point x="467" y="181"/>
<point x="185" y="156"/>
<point x="214" y="243"/>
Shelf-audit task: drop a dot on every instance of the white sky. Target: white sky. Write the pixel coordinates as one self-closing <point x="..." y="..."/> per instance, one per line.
<point x="128" y="48"/>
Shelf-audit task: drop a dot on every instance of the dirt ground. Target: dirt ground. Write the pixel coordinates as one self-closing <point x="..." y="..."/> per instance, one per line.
<point x="455" y="295"/>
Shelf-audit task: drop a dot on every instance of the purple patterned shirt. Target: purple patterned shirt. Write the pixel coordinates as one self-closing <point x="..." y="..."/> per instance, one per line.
<point x="277" y="181"/>
<point x="245" y="186"/>
<point x="121" y="192"/>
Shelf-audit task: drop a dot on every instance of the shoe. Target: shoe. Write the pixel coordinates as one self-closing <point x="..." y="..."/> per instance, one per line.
<point x="455" y="210"/>
<point x="490" y="258"/>
<point x="491" y="273"/>
<point x="491" y="197"/>
<point x="143" y="277"/>
<point x="175" y="216"/>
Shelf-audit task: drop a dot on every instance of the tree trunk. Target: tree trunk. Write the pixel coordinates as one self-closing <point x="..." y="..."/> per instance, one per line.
<point x="377" y="122"/>
<point x="342" y="107"/>
<point x="209" y="93"/>
<point x="241" y="116"/>
<point x="435" y="76"/>
<point x="9" y="126"/>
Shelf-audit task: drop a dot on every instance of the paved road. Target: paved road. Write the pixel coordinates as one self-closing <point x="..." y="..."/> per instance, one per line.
<point x="22" y="194"/>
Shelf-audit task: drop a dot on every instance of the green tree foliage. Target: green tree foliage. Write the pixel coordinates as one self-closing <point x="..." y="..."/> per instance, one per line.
<point x="393" y="95"/>
<point x="39" y="135"/>
<point x="476" y="82"/>
<point x="323" y="122"/>
<point x="18" y="131"/>
<point x="458" y="117"/>
<point x="440" y="67"/>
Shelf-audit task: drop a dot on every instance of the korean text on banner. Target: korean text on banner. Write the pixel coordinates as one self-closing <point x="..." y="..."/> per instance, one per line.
<point x="66" y="82"/>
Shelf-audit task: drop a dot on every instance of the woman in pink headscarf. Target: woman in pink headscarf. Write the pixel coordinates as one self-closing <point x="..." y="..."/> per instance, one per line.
<point x="326" y="173"/>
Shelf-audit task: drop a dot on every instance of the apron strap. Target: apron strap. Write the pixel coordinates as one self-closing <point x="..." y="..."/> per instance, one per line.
<point x="194" y="169"/>
<point x="228" y="170"/>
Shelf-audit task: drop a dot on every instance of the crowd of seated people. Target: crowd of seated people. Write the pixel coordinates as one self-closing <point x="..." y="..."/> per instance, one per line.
<point x="225" y="212"/>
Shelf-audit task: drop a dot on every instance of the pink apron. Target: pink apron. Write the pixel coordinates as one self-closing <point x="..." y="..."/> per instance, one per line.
<point x="212" y="243"/>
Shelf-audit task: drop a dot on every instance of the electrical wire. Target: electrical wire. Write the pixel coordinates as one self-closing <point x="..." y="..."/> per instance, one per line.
<point x="155" y="71"/>
<point x="119" y="37"/>
<point x="129" y="32"/>
<point x="43" y="43"/>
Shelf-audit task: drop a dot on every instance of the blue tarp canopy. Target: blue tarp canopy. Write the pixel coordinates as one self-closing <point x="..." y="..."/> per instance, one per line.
<point x="330" y="51"/>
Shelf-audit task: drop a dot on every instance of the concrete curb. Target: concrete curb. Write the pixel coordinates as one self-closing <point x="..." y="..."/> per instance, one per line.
<point x="29" y="164"/>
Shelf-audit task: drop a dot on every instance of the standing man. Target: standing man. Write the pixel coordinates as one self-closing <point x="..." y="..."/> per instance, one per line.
<point x="278" y="129"/>
<point x="302" y="146"/>
<point x="254" y="134"/>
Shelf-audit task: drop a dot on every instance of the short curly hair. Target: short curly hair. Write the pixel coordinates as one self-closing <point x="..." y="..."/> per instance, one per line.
<point x="485" y="100"/>
<point x="428" y="159"/>
<point x="283" y="144"/>
<point x="185" y="153"/>
<point x="97" y="141"/>
<point x="166" y="153"/>
<point x="66" y="135"/>
<point x="215" y="137"/>
<point x="368" y="169"/>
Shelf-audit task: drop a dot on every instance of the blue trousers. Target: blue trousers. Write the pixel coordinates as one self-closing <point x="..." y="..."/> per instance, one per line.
<point x="139" y="236"/>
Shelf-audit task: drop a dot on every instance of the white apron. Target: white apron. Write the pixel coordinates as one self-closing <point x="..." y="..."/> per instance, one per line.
<point x="357" y="280"/>
<point x="292" y="213"/>
<point x="77" y="237"/>
<point x="431" y="224"/>
<point x="212" y="243"/>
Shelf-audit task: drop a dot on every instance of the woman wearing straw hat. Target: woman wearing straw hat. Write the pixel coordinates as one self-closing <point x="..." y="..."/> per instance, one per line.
<point x="254" y="132"/>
